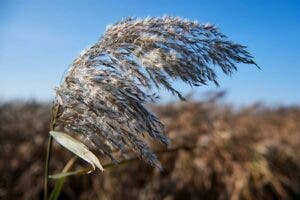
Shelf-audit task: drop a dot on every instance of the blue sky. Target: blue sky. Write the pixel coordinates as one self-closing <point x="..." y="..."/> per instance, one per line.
<point x="39" y="39"/>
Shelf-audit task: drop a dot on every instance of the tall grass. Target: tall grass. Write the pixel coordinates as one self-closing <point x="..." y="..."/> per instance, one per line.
<point x="251" y="153"/>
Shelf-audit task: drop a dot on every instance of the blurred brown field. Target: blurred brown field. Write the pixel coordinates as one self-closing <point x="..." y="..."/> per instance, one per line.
<point x="225" y="153"/>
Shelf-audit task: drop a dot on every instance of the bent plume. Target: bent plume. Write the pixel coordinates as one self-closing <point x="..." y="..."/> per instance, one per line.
<point x="103" y="95"/>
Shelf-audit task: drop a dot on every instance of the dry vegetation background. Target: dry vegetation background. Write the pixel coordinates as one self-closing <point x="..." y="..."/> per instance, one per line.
<point x="251" y="153"/>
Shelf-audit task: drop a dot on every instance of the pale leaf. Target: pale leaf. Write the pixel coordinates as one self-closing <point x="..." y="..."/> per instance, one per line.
<point x="77" y="148"/>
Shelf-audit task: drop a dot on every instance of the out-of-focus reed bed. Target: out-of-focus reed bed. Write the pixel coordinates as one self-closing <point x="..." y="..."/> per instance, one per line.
<point x="225" y="153"/>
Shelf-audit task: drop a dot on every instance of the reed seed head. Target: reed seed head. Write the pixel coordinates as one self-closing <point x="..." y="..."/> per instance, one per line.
<point x="102" y="98"/>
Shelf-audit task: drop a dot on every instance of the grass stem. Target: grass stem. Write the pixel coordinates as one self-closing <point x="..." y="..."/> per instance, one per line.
<point x="47" y="163"/>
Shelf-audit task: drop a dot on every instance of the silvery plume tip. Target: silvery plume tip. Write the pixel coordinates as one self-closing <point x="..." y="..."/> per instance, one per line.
<point x="103" y="95"/>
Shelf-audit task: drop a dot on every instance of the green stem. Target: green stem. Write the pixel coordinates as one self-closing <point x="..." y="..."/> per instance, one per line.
<point x="47" y="163"/>
<point x="60" y="182"/>
<point x="54" y="112"/>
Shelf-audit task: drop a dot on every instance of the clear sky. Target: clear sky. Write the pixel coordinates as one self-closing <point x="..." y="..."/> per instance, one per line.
<point x="39" y="39"/>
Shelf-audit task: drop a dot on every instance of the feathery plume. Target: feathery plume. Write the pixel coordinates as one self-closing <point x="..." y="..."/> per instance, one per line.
<point x="102" y="97"/>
